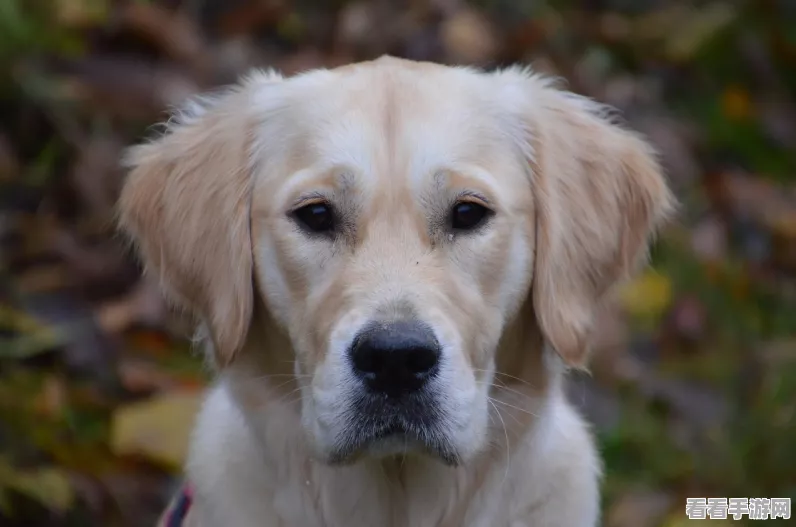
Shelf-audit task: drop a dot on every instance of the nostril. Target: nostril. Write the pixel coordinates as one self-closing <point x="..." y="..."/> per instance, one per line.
<point x="421" y="360"/>
<point x="367" y="360"/>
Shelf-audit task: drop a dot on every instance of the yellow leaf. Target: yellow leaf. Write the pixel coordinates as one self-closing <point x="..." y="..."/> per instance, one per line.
<point x="49" y="486"/>
<point x="679" y="519"/>
<point x="736" y="104"/>
<point x="158" y="428"/>
<point x="784" y="224"/>
<point x="696" y="28"/>
<point x="648" y="295"/>
<point x="79" y="13"/>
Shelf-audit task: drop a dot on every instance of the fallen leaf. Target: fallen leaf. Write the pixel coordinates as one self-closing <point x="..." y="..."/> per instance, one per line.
<point x="695" y="29"/>
<point x="32" y="344"/>
<point x="158" y="428"/>
<point x="173" y="33"/>
<point x="43" y="278"/>
<point x="139" y="376"/>
<point x="679" y="519"/>
<point x="639" y="508"/>
<point x="97" y="175"/>
<point x="9" y="163"/>
<point x="143" y="304"/>
<point x="780" y="350"/>
<point x="236" y="18"/>
<point x="468" y="37"/>
<point x="356" y="19"/>
<point x="53" y="397"/>
<point x="647" y="295"/>
<point x="81" y="13"/>
<point x="709" y="240"/>
<point x="736" y="104"/>
<point x="49" y="486"/>
<point x="771" y="205"/>
<point x="152" y="342"/>
<point x="689" y="318"/>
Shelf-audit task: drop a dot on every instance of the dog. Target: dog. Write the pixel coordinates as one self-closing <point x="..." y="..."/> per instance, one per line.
<point x="393" y="265"/>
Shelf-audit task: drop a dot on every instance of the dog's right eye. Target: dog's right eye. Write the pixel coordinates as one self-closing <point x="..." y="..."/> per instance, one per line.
<point x="317" y="217"/>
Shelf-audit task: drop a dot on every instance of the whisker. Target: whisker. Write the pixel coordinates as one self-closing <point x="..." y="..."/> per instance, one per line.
<point x="523" y="381"/>
<point x="516" y="392"/>
<point x="269" y="375"/>
<point x="283" y="399"/>
<point x="516" y="408"/>
<point x="516" y="420"/>
<point x="263" y="378"/>
<point x="506" y="388"/>
<point x="508" y="446"/>
<point x="271" y="388"/>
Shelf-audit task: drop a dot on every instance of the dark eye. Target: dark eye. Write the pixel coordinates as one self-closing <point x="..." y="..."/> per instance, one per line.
<point x="467" y="215"/>
<point x="317" y="217"/>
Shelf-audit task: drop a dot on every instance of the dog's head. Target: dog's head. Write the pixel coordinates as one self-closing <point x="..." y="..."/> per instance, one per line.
<point x="393" y="218"/>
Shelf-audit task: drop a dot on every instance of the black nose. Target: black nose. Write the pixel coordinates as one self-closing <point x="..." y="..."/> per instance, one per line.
<point x="396" y="358"/>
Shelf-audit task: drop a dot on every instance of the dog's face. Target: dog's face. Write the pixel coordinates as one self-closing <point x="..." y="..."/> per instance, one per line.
<point x="393" y="218"/>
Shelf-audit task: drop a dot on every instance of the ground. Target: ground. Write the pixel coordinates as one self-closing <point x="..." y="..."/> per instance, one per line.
<point x="693" y="384"/>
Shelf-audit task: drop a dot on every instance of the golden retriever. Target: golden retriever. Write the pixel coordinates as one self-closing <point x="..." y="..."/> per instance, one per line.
<point x="394" y="263"/>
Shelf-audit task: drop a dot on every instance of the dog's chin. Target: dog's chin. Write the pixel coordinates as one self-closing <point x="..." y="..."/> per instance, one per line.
<point x="394" y="443"/>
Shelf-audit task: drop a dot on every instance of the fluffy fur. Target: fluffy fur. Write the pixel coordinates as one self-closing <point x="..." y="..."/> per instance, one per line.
<point x="392" y="144"/>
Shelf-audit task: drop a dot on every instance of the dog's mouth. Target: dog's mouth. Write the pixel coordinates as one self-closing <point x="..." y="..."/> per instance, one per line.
<point x="375" y="428"/>
<point x="393" y="442"/>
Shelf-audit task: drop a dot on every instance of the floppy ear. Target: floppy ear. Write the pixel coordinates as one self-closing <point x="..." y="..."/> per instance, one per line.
<point x="185" y="204"/>
<point x="599" y="196"/>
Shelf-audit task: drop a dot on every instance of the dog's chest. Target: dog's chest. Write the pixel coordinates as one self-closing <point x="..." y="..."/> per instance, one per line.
<point x="381" y="495"/>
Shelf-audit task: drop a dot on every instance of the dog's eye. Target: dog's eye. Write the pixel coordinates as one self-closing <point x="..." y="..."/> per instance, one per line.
<point x="467" y="215"/>
<point x="317" y="217"/>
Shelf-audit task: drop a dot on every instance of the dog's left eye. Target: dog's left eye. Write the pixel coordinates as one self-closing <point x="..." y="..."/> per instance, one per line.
<point x="467" y="215"/>
<point x="317" y="217"/>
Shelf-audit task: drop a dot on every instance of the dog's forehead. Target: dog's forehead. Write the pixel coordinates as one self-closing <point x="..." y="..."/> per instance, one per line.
<point x="394" y="119"/>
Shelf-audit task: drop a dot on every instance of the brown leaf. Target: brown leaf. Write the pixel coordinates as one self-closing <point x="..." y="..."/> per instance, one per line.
<point x="355" y="22"/>
<point x="709" y="240"/>
<point x="304" y="60"/>
<point x="128" y="88"/>
<point x="770" y="205"/>
<point x="736" y="103"/>
<point x="43" y="278"/>
<point x="696" y="27"/>
<point x="139" y="376"/>
<point x="469" y="38"/>
<point x="97" y="175"/>
<point x="674" y="140"/>
<point x="53" y="397"/>
<point x="689" y="318"/>
<point x="172" y="32"/>
<point x="143" y="305"/>
<point x="153" y="342"/>
<point x="248" y="15"/>
<point x="639" y="508"/>
<point x="9" y="164"/>
<point x="81" y="13"/>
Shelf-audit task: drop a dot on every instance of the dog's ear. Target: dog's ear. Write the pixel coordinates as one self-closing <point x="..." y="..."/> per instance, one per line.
<point x="185" y="204"/>
<point x="599" y="195"/>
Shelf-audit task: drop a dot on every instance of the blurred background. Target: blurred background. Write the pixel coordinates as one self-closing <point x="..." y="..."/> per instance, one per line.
<point x="693" y="383"/>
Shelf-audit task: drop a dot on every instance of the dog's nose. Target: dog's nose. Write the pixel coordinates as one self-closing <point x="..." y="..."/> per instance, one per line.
<point x="396" y="358"/>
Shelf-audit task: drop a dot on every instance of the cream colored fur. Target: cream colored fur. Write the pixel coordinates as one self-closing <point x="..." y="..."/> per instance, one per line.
<point x="392" y="144"/>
